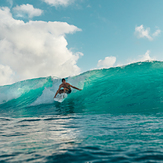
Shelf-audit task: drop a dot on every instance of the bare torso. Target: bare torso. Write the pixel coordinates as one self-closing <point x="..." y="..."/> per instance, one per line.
<point x="66" y="88"/>
<point x="66" y="85"/>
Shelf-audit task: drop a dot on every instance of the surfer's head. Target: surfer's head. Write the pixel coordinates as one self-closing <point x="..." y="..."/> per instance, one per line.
<point x="63" y="80"/>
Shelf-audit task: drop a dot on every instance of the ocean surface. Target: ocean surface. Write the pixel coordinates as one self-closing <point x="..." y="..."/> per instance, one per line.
<point x="117" y="117"/>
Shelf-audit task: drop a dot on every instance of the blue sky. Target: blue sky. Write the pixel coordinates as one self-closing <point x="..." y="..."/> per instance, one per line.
<point x="108" y="32"/>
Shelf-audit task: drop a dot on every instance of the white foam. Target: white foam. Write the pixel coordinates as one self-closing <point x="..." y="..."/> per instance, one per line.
<point x="45" y="98"/>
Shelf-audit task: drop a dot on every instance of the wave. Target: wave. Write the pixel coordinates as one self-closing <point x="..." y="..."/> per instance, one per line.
<point x="134" y="88"/>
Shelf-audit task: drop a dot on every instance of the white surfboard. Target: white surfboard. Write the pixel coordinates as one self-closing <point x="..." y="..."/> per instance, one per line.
<point x="60" y="97"/>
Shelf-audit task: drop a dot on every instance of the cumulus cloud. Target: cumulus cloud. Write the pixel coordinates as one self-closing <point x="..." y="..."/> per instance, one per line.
<point x="143" y="58"/>
<point x="27" y="10"/>
<point x="156" y="33"/>
<point x="56" y="3"/>
<point x="141" y="32"/>
<point x="10" y="2"/>
<point x="107" y="62"/>
<point x="146" y="56"/>
<point x="6" y="74"/>
<point x="35" y="48"/>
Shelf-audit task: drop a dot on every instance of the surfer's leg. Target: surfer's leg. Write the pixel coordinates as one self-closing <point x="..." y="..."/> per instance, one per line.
<point x="61" y="91"/>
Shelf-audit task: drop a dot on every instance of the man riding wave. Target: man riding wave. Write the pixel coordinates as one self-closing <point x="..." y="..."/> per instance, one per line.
<point x="66" y="88"/>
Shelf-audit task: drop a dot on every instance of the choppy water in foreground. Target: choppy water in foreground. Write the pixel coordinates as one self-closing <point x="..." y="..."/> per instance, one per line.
<point x="117" y="117"/>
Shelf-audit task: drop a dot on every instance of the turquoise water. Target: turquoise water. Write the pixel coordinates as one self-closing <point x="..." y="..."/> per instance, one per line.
<point x="117" y="117"/>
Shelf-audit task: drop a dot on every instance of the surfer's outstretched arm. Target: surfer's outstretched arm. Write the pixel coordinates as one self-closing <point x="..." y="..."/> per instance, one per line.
<point x="57" y="91"/>
<point x="75" y="87"/>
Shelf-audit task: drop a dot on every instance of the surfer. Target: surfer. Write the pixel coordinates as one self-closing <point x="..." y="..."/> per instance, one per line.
<point x="66" y="88"/>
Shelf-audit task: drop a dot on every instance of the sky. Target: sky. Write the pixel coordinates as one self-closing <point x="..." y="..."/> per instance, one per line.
<point x="63" y="38"/>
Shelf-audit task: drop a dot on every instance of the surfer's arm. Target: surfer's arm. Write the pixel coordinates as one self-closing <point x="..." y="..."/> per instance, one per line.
<point x="57" y="92"/>
<point x="75" y="87"/>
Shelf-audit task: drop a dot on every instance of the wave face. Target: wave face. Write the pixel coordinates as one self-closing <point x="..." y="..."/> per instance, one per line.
<point x="117" y="117"/>
<point x="135" y="88"/>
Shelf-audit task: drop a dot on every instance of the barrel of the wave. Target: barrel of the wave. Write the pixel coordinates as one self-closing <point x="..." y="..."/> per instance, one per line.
<point x="64" y="89"/>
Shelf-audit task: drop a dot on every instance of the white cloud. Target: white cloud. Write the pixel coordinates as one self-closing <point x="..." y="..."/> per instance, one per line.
<point x="6" y="75"/>
<point x="29" y="10"/>
<point x="141" y="32"/>
<point x="36" y="48"/>
<point x="10" y="2"/>
<point x="156" y="33"/>
<point x="64" y="3"/>
<point x="107" y="62"/>
<point x="143" y="58"/>
<point x="146" y="57"/>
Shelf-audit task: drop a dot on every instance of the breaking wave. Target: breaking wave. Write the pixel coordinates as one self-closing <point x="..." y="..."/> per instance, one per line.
<point x="134" y="88"/>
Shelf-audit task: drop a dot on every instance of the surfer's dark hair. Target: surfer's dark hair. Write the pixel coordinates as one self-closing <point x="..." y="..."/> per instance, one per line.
<point x="63" y="79"/>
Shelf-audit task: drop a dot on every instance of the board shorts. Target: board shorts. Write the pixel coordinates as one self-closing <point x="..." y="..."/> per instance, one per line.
<point x="69" y="91"/>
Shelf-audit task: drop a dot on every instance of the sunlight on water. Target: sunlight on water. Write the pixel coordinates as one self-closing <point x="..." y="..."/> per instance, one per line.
<point x="91" y="137"/>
